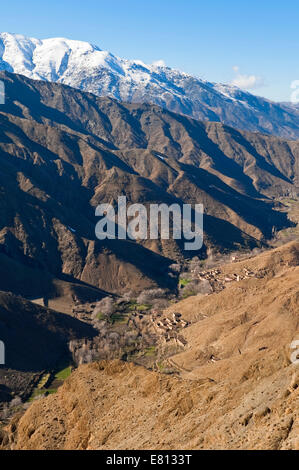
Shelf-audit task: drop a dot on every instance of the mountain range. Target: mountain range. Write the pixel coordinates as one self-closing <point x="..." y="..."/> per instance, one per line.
<point x="64" y="151"/>
<point x="87" y="67"/>
<point x="80" y="127"/>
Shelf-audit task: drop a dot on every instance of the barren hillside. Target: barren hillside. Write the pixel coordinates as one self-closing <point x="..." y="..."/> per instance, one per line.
<point x="63" y="151"/>
<point x="233" y="384"/>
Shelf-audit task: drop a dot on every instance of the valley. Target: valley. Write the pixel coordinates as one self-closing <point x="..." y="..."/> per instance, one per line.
<point x="121" y="344"/>
<point x="226" y="353"/>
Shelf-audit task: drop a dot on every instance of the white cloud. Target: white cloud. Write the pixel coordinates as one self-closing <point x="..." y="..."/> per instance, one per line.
<point x="247" y="82"/>
<point x="159" y="63"/>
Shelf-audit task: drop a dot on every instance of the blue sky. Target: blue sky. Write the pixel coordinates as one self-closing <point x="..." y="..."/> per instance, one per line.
<point x="253" y="43"/>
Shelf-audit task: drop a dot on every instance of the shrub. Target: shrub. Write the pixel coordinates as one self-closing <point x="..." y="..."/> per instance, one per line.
<point x="176" y="267"/>
<point x="196" y="287"/>
<point x="104" y="309"/>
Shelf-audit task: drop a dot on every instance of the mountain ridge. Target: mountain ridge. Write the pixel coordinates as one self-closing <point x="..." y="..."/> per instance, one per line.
<point x="87" y="67"/>
<point x="64" y="151"/>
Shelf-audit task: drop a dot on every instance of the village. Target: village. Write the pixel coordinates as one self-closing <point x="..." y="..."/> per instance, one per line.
<point x="142" y="329"/>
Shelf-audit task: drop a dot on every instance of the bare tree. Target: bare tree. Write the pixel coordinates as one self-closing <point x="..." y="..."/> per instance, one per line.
<point x="104" y="309"/>
<point x="149" y="295"/>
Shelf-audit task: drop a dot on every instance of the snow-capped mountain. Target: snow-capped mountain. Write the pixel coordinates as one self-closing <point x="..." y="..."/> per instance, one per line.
<point x="87" y="67"/>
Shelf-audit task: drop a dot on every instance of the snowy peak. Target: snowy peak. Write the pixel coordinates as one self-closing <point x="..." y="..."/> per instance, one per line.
<point x="48" y="59"/>
<point x="87" y="67"/>
<point x="61" y="60"/>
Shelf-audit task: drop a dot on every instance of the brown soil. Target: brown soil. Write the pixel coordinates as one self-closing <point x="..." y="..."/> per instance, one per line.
<point x="235" y="386"/>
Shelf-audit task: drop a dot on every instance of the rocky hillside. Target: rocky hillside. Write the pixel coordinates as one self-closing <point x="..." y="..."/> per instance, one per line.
<point x="87" y="67"/>
<point x="36" y="339"/>
<point x="232" y="386"/>
<point x="63" y="151"/>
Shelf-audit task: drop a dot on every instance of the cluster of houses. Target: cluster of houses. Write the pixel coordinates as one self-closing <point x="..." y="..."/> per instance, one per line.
<point x="168" y="328"/>
<point x="219" y="280"/>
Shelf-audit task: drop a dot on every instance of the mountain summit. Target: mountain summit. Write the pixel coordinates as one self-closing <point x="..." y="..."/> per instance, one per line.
<point x="87" y="67"/>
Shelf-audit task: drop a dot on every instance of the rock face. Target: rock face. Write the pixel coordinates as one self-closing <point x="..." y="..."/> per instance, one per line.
<point x="85" y="66"/>
<point x="235" y="386"/>
<point x="62" y="152"/>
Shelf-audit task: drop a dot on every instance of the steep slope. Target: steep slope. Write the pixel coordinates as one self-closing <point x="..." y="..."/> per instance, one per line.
<point x="35" y="338"/>
<point x="87" y="67"/>
<point x="248" y="321"/>
<point x="235" y="386"/>
<point x="120" y="406"/>
<point x="63" y="151"/>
